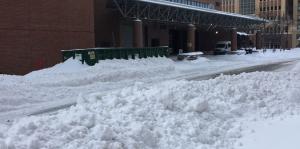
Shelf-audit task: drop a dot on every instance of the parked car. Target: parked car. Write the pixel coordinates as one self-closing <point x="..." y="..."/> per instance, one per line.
<point x="189" y="55"/>
<point x="222" y="47"/>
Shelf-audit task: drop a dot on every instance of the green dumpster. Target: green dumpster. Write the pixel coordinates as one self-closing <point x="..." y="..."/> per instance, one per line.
<point x="92" y="56"/>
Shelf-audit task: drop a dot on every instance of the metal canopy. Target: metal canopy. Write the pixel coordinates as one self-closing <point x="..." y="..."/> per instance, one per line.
<point x="166" y="11"/>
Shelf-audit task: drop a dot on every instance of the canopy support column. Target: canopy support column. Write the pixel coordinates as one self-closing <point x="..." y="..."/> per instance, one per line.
<point x="138" y="33"/>
<point x="191" y="35"/>
<point x="233" y="39"/>
<point x="258" y="40"/>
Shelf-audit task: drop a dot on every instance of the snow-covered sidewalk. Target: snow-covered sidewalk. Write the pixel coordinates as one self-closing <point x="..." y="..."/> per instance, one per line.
<point x="171" y="114"/>
<point x="211" y="64"/>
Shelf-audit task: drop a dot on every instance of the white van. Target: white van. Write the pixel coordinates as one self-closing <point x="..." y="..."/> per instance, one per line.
<point x="222" y="47"/>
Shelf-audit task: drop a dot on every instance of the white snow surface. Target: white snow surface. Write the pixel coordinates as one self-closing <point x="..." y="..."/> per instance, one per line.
<point x="128" y="104"/>
<point x="242" y="33"/>
<point x="67" y="80"/>
<point x="191" y="54"/>
<point x="276" y="133"/>
<point x="106" y="71"/>
<point x="225" y="62"/>
<point x="167" y="115"/>
<point x="63" y="83"/>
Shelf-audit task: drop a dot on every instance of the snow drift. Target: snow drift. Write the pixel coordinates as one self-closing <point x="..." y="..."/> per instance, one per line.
<point x="72" y="73"/>
<point x="168" y="115"/>
<point x="67" y="80"/>
<point x="140" y="115"/>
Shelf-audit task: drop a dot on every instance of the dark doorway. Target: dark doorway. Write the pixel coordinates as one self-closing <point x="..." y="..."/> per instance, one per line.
<point x="177" y="40"/>
<point x="197" y="42"/>
<point x="155" y="42"/>
<point x="290" y="9"/>
<point x="206" y="41"/>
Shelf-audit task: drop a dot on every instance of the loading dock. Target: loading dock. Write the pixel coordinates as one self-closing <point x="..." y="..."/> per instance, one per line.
<point x="179" y="25"/>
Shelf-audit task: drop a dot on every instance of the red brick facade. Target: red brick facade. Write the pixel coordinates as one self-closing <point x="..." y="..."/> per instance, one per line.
<point x="32" y="32"/>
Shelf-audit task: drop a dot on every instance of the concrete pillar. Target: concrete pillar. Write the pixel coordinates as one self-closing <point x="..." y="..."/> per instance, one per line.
<point x="233" y="39"/>
<point x="294" y="39"/>
<point x="191" y="32"/>
<point x="138" y="33"/>
<point x="258" y="40"/>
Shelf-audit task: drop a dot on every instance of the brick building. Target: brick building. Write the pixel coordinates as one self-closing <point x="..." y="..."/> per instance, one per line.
<point x="283" y="15"/>
<point x="282" y="31"/>
<point x="247" y="7"/>
<point x="232" y="6"/>
<point x="32" y="32"/>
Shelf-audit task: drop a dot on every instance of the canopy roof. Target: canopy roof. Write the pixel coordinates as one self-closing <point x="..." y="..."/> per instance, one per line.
<point x="200" y="9"/>
<point x="176" y="12"/>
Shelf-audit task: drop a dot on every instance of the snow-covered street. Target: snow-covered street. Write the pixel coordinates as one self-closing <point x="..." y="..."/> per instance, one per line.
<point x="149" y="104"/>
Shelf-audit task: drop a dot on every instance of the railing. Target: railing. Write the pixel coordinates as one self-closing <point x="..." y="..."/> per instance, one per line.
<point x="194" y="3"/>
<point x="94" y="55"/>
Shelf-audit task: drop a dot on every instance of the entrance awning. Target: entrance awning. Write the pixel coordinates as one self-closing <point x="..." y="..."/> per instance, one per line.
<point x="175" y="12"/>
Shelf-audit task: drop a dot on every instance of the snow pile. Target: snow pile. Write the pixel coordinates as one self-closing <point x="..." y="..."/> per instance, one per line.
<point x="105" y="71"/>
<point x="219" y="63"/>
<point x="270" y="55"/>
<point x="242" y="33"/>
<point x="168" y="115"/>
<point x="200" y="60"/>
<point x="65" y="81"/>
<point x="69" y="66"/>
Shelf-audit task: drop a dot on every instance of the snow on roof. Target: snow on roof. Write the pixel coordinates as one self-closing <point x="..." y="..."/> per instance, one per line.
<point x="197" y="8"/>
<point x="242" y="33"/>
<point x="191" y="54"/>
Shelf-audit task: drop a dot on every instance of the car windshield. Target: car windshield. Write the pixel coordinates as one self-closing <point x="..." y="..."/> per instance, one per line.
<point x="220" y="46"/>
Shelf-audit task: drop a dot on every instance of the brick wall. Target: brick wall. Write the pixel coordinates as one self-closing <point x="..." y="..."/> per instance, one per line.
<point x="32" y="32"/>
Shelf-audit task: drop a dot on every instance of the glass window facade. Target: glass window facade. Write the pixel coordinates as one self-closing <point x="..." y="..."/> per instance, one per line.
<point x="194" y="3"/>
<point x="247" y="7"/>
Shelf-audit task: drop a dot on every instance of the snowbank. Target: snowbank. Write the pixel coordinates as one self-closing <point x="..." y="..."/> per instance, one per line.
<point x="69" y="66"/>
<point x="72" y="73"/>
<point x="269" y="55"/>
<point x="200" y="60"/>
<point x="168" y="115"/>
<point x="212" y="64"/>
<point x="67" y="80"/>
<point x="64" y="82"/>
